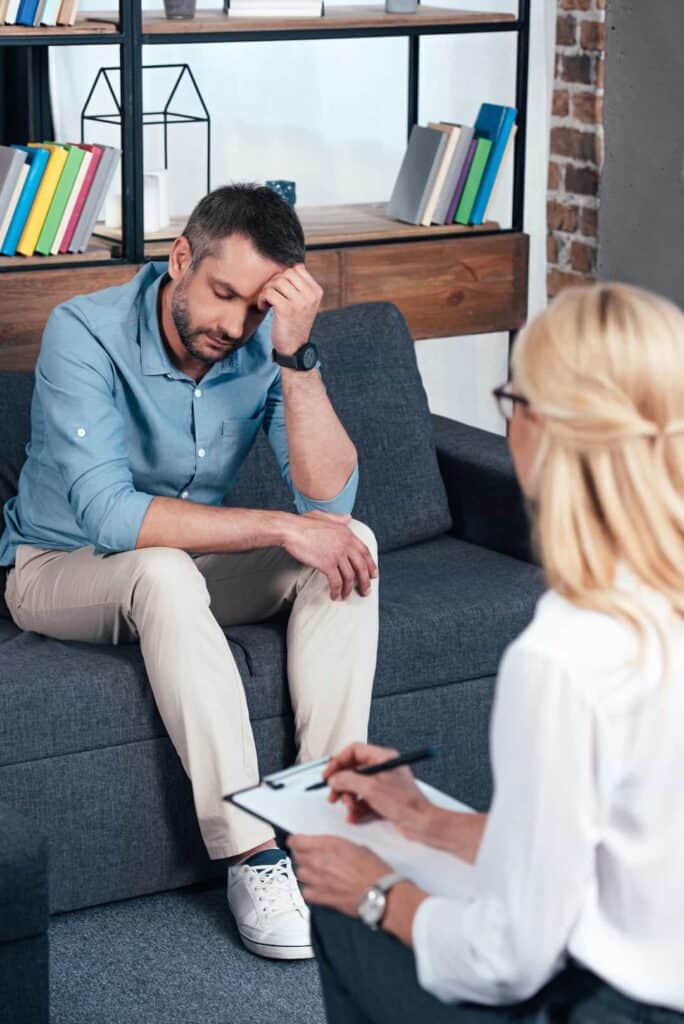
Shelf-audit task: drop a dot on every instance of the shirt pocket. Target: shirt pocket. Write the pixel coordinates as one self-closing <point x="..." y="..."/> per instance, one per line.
<point x="235" y="440"/>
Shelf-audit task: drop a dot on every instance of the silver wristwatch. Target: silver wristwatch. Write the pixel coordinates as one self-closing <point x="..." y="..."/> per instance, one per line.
<point x="374" y="901"/>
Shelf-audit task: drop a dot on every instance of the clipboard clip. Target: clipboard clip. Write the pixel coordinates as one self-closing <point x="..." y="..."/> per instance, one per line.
<point x="279" y="780"/>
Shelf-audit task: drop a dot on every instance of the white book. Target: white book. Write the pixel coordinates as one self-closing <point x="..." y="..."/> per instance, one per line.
<point x="297" y="811"/>
<point x="9" y="212"/>
<point x="452" y="133"/>
<point x="12" y="11"/>
<point x="50" y="12"/>
<point x="69" y="208"/>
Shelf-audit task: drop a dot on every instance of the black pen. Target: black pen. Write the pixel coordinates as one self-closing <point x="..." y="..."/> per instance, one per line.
<point x="384" y="766"/>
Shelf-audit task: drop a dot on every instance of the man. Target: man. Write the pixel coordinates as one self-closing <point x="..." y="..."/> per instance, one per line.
<point x="147" y="399"/>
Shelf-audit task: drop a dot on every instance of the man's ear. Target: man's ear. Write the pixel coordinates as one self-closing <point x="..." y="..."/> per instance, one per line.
<point x="180" y="257"/>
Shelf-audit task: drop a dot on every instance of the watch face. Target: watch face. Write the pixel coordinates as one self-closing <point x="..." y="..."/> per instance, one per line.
<point x="372" y="906"/>
<point x="309" y="357"/>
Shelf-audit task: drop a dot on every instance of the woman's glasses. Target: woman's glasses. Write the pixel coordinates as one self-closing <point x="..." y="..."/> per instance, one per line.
<point x="506" y="399"/>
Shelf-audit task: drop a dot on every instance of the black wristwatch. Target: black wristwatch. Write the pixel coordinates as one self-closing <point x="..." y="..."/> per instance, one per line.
<point x="305" y="358"/>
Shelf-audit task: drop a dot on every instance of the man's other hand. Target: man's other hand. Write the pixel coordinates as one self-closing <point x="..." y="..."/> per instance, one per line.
<point x="326" y="542"/>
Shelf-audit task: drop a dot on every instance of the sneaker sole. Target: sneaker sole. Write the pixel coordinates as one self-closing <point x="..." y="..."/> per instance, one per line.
<point x="273" y="952"/>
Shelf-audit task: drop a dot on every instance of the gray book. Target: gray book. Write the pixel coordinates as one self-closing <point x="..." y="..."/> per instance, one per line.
<point x="11" y="162"/>
<point x="416" y="175"/>
<point x="95" y="198"/>
<point x="453" y="174"/>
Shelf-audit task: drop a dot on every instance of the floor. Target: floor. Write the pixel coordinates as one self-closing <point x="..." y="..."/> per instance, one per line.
<point x="171" y="958"/>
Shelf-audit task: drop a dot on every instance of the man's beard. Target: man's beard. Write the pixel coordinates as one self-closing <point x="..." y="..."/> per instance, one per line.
<point x="181" y="320"/>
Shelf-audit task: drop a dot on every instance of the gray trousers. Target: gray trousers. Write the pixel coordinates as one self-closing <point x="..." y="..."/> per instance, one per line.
<point x="370" y="978"/>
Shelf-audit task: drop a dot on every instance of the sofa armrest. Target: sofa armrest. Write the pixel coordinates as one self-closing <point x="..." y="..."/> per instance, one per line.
<point x="24" y="970"/>
<point x="487" y="505"/>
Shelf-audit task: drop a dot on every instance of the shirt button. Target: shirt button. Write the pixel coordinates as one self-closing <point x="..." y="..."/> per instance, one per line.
<point x="80" y="432"/>
<point x="201" y="452"/>
<point x="184" y="494"/>
<point x="198" y="392"/>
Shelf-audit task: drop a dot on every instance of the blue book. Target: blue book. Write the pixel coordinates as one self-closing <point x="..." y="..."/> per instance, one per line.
<point x="27" y="12"/>
<point x="37" y="160"/>
<point x="495" y="123"/>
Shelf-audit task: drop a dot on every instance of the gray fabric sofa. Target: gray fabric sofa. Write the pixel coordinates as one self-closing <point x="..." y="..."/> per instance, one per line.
<point x="84" y="756"/>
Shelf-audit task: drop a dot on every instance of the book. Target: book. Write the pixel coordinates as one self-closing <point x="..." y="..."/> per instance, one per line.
<point x="11" y="162"/>
<point x="460" y="184"/>
<point x="452" y="132"/>
<point x="483" y="148"/>
<point x="274" y="8"/>
<point x="41" y="204"/>
<point x="50" y="12"/>
<point x="96" y="155"/>
<point x="453" y="174"/>
<point x="71" y="202"/>
<point x="495" y="189"/>
<point x="74" y="157"/>
<point x="12" y="205"/>
<point x="67" y="12"/>
<point x="12" y="11"/>
<point x="282" y="800"/>
<point x="36" y="162"/>
<point x="27" y="12"/>
<point x="96" y="197"/>
<point x="37" y="17"/>
<point x="4" y="4"/>
<point x="416" y="175"/>
<point x="495" y="123"/>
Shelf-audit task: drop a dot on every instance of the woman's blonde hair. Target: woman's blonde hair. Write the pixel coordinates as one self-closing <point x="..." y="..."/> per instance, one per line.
<point x="604" y="365"/>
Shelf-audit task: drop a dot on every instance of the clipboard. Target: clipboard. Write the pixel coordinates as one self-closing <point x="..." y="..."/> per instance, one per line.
<point x="282" y="800"/>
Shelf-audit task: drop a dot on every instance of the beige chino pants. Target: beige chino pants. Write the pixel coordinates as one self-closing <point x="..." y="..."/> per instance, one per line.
<point x="175" y="605"/>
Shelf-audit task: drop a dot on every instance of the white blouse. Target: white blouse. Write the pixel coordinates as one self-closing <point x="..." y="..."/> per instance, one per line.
<point x="583" y="853"/>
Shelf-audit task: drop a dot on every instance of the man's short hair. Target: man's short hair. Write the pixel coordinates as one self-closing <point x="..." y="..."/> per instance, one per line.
<point x="255" y="211"/>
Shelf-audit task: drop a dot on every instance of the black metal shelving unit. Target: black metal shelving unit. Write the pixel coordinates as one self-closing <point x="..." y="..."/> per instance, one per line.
<point x="131" y="37"/>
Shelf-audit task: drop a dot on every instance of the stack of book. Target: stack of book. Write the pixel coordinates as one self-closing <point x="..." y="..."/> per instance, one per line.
<point x="273" y="8"/>
<point x="38" y="12"/>
<point x="449" y="170"/>
<point x="51" y="195"/>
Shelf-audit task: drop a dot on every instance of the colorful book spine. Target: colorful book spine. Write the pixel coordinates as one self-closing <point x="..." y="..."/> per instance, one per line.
<point x="96" y="154"/>
<point x="41" y="204"/>
<point x="493" y="164"/>
<point x="465" y="207"/>
<point x="27" y="12"/>
<point x="68" y="209"/>
<point x="12" y="205"/>
<point x="74" y="157"/>
<point x="460" y="184"/>
<point x="12" y="11"/>
<point x="37" y="161"/>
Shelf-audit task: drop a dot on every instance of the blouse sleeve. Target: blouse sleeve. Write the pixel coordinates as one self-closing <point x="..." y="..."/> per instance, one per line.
<point x="536" y="860"/>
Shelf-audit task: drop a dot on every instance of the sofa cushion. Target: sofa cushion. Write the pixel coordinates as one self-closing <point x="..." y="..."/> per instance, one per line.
<point x="448" y="609"/>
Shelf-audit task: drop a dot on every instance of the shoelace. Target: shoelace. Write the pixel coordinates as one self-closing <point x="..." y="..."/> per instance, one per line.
<point x="275" y="887"/>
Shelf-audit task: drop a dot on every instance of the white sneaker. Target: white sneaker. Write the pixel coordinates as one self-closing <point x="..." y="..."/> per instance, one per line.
<point x="271" y="916"/>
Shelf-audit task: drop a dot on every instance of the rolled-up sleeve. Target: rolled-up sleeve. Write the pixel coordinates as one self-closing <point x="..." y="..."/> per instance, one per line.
<point x="85" y="433"/>
<point x="535" y="862"/>
<point x="276" y="431"/>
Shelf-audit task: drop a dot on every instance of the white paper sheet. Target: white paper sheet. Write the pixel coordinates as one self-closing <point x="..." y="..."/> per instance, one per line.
<point x="308" y="813"/>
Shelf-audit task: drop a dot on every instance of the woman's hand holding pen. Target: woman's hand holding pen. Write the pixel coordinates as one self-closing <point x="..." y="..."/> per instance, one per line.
<point x="393" y="795"/>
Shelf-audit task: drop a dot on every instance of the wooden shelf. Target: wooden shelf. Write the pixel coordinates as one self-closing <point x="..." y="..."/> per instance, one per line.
<point x="86" y="25"/>
<point x="324" y="226"/>
<point x="97" y="250"/>
<point x="366" y="16"/>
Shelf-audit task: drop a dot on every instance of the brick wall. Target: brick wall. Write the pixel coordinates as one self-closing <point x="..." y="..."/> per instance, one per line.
<point x="576" y="143"/>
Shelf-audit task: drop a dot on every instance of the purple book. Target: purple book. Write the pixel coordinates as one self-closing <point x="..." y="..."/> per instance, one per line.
<point x="451" y="212"/>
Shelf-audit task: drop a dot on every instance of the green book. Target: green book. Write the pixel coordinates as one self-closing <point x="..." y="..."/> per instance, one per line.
<point x="472" y="185"/>
<point x="60" y="198"/>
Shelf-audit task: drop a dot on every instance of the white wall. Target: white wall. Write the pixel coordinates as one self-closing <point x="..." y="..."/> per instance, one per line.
<point x="331" y="114"/>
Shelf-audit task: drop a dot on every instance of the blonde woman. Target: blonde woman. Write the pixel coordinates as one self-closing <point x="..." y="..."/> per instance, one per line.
<point x="578" y="910"/>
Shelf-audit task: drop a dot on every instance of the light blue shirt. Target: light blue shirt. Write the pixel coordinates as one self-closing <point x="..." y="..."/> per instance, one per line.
<point x="114" y="423"/>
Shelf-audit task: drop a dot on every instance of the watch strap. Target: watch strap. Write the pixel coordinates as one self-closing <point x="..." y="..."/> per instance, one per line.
<point x="387" y="881"/>
<point x="281" y="360"/>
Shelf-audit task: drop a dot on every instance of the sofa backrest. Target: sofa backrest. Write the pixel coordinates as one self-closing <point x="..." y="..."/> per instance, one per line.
<point x="369" y="367"/>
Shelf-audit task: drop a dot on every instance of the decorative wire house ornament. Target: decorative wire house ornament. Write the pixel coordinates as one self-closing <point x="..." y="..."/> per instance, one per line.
<point x="168" y="117"/>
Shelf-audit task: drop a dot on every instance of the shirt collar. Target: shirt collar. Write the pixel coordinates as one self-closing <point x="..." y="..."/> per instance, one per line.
<point x="154" y="357"/>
